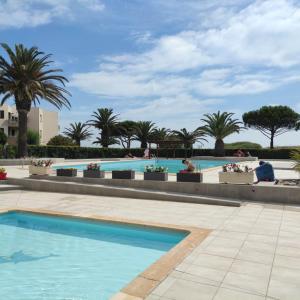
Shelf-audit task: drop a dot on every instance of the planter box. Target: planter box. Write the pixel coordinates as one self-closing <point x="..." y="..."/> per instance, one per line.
<point x="156" y="176"/>
<point x="189" y="177"/>
<point x="123" y="174"/>
<point x="93" y="174"/>
<point x="66" y="172"/>
<point x="3" y="176"/>
<point x="35" y="170"/>
<point x="233" y="177"/>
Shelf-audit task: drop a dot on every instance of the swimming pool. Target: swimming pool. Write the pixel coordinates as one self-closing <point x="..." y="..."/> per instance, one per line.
<point x="45" y="257"/>
<point x="173" y="165"/>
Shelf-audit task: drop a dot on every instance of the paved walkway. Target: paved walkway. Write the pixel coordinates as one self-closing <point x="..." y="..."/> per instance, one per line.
<point x="253" y="251"/>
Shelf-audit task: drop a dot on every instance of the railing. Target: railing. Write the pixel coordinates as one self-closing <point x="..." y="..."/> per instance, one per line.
<point x="13" y="122"/>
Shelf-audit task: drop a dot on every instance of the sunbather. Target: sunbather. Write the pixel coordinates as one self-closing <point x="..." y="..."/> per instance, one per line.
<point x="190" y="166"/>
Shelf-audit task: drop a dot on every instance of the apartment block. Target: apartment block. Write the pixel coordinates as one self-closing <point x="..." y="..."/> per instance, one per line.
<point x="42" y="121"/>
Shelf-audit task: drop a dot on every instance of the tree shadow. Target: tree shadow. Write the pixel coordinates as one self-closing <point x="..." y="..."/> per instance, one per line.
<point x="20" y="256"/>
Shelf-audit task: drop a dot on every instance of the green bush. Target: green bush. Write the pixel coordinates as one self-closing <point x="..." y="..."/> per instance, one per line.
<point x="3" y="138"/>
<point x="243" y="145"/>
<point x="33" y="137"/>
<point x="74" y="152"/>
<point x="10" y="150"/>
<point x="60" y="140"/>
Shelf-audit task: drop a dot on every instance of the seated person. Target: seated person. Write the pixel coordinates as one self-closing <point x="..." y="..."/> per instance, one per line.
<point x="239" y="153"/>
<point x="248" y="154"/>
<point x="190" y="167"/>
<point x="147" y="153"/>
<point x="264" y="172"/>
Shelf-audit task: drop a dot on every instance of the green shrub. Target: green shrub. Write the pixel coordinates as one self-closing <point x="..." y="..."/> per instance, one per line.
<point x="243" y="145"/>
<point x="60" y="140"/>
<point x="3" y="138"/>
<point x="75" y="152"/>
<point x="10" y="150"/>
<point x="295" y="155"/>
<point x="33" y="137"/>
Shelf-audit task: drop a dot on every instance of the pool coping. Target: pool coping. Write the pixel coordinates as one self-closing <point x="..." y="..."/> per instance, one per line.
<point x="71" y="164"/>
<point x="142" y="285"/>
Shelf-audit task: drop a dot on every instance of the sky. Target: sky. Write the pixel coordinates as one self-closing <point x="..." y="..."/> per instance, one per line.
<point x="167" y="61"/>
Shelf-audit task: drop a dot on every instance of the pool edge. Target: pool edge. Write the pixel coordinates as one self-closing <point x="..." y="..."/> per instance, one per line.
<point x="142" y="285"/>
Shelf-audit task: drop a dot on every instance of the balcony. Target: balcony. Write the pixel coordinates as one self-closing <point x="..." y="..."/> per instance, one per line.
<point x="13" y="122"/>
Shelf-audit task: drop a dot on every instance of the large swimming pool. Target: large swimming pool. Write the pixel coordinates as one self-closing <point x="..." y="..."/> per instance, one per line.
<point x="173" y="165"/>
<point x="54" y="258"/>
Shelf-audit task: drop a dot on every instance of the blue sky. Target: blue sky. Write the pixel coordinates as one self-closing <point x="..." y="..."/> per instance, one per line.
<point x="169" y="61"/>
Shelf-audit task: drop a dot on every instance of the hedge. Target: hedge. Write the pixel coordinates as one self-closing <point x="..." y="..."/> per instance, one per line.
<point x="11" y="151"/>
<point x="73" y="152"/>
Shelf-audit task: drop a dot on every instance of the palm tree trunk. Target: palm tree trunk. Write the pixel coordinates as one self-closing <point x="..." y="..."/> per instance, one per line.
<point x="22" y="135"/>
<point x="272" y="140"/>
<point x="219" y="148"/>
<point x="144" y="144"/>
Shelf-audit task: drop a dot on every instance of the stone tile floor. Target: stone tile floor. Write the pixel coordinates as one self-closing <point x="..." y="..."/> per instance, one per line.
<point x="253" y="251"/>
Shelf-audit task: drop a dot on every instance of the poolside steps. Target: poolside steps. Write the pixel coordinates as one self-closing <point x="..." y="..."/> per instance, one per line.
<point x="9" y="187"/>
<point x="74" y="187"/>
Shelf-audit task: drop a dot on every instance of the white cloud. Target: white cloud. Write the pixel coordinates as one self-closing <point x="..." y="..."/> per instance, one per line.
<point x="32" y="13"/>
<point x="263" y="34"/>
<point x="253" y="50"/>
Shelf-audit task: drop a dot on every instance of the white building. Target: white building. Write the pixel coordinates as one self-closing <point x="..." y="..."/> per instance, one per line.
<point x="42" y="121"/>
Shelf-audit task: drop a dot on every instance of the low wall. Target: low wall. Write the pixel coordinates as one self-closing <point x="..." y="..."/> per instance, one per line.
<point x="229" y="158"/>
<point x="26" y="161"/>
<point x="257" y="193"/>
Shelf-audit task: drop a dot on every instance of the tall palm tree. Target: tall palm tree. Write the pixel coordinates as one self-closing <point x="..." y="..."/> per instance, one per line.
<point x="27" y="79"/>
<point x="160" y="134"/>
<point x="189" y="138"/>
<point x="144" y="131"/>
<point x="107" y="122"/>
<point x="126" y="132"/>
<point x="220" y="125"/>
<point x="78" y="132"/>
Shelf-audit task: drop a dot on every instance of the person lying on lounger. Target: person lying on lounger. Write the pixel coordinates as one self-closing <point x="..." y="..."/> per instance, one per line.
<point x="189" y="167"/>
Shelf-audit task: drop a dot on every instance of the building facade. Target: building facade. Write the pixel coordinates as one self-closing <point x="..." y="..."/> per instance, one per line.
<point x="39" y="120"/>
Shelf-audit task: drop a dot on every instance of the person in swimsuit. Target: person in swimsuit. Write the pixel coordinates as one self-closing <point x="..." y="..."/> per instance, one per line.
<point x="189" y="166"/>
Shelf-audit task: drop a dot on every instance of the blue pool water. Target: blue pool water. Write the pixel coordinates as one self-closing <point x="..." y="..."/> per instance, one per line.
<point x="53" y="258"/>
<point x="173" y="165"/>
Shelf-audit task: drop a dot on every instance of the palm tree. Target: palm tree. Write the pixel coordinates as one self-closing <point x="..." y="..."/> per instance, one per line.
<point x="189" y="138"/>
<point x="296" y="157"/>
<point x="109" y="141"/>
<point x="107" y="123"/>
<point x="27" y="79"/>
<point x="126" y="132"/>
<point x="160" y="134"/>
<point x="144" y="131"/>
<point x="78" y="132"/>
<point x="220" y="125"/>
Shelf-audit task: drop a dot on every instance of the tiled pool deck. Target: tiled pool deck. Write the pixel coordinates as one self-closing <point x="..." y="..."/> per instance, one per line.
<point x="253" y="251"/>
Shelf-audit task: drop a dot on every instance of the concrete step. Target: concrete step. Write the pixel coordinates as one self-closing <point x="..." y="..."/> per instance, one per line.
<point x="9" y="187"/>
<point x="117" y="191"/>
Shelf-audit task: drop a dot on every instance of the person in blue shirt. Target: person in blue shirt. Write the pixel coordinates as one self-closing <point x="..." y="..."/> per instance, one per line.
<point x="264" y="172"/>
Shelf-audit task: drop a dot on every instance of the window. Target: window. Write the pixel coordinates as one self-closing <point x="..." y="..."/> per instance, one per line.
<point x="12" y="132"/>
<point x="1" y="114"/>
<point x="41" y="118"/>
<point x="2" y="129"/>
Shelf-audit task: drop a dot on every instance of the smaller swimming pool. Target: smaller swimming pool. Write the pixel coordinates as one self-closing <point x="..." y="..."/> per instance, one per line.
<point x="173" y="165"/>
<point x="56" y="258"/>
